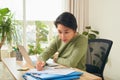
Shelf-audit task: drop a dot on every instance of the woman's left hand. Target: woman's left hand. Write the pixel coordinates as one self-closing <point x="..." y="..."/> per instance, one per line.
<point x="55" y="56"/>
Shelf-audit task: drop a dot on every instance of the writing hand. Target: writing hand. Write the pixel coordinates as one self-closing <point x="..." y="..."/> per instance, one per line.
<point x="40" y="65"/>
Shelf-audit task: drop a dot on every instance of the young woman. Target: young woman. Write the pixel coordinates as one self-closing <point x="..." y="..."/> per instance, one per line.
<point x="71" y="47"/>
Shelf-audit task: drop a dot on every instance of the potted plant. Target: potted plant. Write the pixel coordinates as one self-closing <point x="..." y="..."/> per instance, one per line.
<point x="7" y="27"/>
<point x="90" y="33"/>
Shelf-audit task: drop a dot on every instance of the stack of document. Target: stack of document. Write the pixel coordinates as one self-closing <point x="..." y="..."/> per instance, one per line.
<point x="52" y="74"/>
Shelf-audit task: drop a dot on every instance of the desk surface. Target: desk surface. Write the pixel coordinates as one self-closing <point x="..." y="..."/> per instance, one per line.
<point x="13" y="65"/>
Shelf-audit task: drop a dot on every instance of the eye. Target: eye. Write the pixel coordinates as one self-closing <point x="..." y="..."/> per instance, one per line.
<point x="59" y="32"/>
<point x="66" y="32"/>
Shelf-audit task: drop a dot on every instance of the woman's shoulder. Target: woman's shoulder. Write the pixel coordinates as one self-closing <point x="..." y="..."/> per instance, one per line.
<point x="81" y="40"/>
<point x="82" y="37"/>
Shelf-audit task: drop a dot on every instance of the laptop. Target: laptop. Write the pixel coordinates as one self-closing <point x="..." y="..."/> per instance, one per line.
<point x="32" y="61"/>
<point x="26" y="56"/>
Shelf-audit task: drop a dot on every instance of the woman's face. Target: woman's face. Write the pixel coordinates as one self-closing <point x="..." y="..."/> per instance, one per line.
<point x="65" y="33"/>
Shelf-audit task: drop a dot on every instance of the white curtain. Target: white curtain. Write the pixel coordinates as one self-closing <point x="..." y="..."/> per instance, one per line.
<point x="80" y="9"/>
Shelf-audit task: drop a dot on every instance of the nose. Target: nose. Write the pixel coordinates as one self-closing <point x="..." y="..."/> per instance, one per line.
<point x="62" y="36"/>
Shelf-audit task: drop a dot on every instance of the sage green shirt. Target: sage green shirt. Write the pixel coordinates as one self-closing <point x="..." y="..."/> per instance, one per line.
<point x="71" y="54"/>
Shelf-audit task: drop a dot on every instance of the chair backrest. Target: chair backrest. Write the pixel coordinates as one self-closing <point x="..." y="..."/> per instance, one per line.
<point x="98" y="51"/>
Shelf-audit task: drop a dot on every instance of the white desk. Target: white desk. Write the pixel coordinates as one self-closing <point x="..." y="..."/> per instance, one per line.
<point x="13" y="65"/>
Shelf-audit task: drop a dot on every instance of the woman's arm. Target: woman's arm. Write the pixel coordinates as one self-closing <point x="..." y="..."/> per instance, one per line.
<point x="46" y="55"/>
<point x="49" y="51"/>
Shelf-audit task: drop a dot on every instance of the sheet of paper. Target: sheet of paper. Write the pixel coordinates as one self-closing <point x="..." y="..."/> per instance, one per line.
<point x="54" y="70"/>
<point x="51" y="63"/>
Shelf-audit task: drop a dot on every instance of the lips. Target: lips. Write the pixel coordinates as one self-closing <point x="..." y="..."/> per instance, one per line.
<point x="65" y="40"/>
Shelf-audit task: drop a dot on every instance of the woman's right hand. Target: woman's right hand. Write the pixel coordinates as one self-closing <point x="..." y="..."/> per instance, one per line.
<point x="40" y="65"/>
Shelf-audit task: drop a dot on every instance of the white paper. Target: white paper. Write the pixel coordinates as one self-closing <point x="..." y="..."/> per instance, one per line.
<point x="51" y="63"/>
<point x="54" y="70"/>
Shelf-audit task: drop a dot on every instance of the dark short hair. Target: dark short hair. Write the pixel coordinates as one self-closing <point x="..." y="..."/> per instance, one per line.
<point x="67" y="19"/>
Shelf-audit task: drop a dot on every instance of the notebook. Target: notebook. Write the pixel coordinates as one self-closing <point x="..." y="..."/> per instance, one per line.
<point x="26" y="56"/>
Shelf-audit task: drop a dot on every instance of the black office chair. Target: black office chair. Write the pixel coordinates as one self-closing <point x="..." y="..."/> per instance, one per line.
<point x="97" y="55"/>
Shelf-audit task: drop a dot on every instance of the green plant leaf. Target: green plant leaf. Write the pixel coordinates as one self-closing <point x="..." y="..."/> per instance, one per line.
<point x="96" y="32"/>
<point x="88" y="27"/>
<point x="91" y="36"/>
<point x="4" y="11"/>
<point x="85" y="33"/>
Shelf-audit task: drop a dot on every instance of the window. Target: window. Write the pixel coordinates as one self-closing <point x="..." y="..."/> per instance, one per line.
<point x="45" y="11"/>
<point x="28" y="12"/>
<point x="16" y="6"/>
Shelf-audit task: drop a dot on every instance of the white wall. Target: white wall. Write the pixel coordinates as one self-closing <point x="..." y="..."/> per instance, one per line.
<point x="104" y="16"/>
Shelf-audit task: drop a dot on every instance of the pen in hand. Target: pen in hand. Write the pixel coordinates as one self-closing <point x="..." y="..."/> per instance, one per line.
<point x="40" y="65"/>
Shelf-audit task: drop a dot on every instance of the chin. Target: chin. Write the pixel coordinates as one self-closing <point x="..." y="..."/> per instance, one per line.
<point x="65" y="41"/>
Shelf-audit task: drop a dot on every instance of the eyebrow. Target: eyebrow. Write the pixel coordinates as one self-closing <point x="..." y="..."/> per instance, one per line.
<point x="64" y="30"/>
